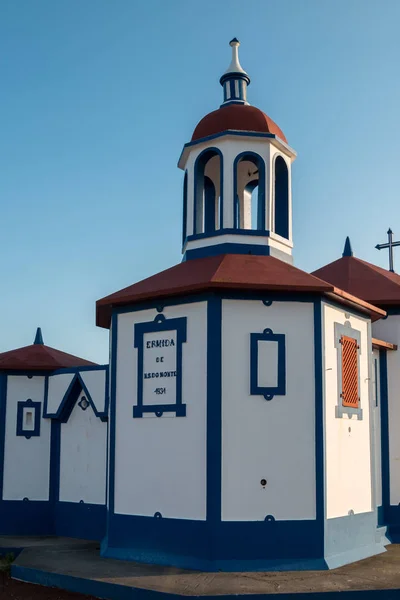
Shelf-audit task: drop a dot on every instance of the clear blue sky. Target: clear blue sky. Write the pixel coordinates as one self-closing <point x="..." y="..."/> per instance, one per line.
<point x="97" y="99"/>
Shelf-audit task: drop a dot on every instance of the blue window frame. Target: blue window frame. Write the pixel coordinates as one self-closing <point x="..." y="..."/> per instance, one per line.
<point x="28" y="418"/>
<point x="167" y="379"/>
<point x="264" y="338"/>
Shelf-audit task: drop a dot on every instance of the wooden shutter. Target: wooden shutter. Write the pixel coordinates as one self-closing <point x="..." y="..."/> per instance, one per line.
<point x="350" y="393"/>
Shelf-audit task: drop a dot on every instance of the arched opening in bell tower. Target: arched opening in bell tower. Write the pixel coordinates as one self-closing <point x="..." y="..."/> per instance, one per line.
<point x="207" y="214"/>
<point x="249" y="179"/>
<point x="281" y="197"/>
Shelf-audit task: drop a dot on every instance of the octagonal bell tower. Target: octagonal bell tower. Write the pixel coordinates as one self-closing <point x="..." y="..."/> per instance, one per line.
<point x="237" y="194"/>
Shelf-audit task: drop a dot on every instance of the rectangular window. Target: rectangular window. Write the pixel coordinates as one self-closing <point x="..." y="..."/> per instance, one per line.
<point x="350" y="392"/>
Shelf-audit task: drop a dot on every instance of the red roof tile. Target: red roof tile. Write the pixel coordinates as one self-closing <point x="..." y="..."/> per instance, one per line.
<point x="236" y="117"/>
<point x="223" y="272"/>
<point x="38" y="357"/>
<point x="364" y="280"/>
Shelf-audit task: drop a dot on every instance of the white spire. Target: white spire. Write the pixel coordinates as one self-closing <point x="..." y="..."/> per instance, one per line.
<point x="235" y="79"/>
<point x="235" y="66"/>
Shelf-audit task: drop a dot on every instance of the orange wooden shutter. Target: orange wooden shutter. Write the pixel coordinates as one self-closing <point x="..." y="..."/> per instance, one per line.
<point x="350" y="395"/>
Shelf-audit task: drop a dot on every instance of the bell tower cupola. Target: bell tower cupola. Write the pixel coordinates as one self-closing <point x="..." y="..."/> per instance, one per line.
<point x="237" y="185"/>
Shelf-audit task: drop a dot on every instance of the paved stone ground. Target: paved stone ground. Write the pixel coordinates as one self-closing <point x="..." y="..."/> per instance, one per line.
<point x="82" y="560"/>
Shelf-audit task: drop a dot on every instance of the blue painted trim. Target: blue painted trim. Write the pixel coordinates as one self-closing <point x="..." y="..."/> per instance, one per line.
<point x="36" y="409"/>
<point x="227" y="248"/>
<point x="29" y="517"/>
<point x="280" y="388"/>
<point x="198" y="187"/>
<point x="319" y="420"/>
<point x="3" y="405"/>
<point x="55" y="453"/>
<point x="26" y="373"/>
<point x="232" y="76"/>
<point x="260" y="164"/>
<point x="113" y="397"/>
<point x="385" y="450"/>
<point x="75" y="388"/>
<point x="213" y="544"/>
<point x="160" y="324"/>
<point x="80" y="520"/>
<point x="227" y="231"/>
<point x="214" y="410"/>
<point x="79" y="369"/>
<point x="185" y="207"/>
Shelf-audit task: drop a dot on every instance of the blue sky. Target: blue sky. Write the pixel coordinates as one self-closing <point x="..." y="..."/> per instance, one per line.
<point x="99" y="96"/>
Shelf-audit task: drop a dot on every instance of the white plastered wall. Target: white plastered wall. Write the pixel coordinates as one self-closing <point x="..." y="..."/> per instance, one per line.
<point x="389" y="331"/>
<point x="160" y="463"/>
<point x="272" y="440"/>
<point x="83" y="457"/>
<point x="347" y="441"/>
<point x="26" y="461"/>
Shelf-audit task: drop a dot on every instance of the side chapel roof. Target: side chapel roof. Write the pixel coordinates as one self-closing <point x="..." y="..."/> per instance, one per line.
<point x="38" y="357"/>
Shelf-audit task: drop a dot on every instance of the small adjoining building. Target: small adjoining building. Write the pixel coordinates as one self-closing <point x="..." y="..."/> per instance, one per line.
<point x="247" y="418"/>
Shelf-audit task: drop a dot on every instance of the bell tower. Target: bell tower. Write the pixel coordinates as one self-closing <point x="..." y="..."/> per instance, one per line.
<point x="237" y="194"/>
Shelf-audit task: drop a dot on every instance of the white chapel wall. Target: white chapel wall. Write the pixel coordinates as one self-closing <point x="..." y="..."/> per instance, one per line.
<point x="389" y="331"/>
<point x="26" y="461"/>
<point x="272" y="440"/>
<point x="160" y="462"/>
<point x="347" y="441"/>
<point x="83" y="457"/>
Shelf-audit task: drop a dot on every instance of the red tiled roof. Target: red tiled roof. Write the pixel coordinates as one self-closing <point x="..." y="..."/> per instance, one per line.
<point x="363" y="279"/>
<point x="38" y="357"/>
<point x="236" y="117"/>
<point x="223" y="272"/>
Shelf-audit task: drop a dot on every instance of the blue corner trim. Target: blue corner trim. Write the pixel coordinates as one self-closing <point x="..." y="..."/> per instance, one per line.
<point x="385" y="451"/>
<point x="113" y="394"/>
<point x="36" y="416"/>
<point x="319" y="418"/>
<point x="3" y="404"/>
<point x="55" y="446"/>
<point x="280" y="340"/>
<point x="185" y="207"/>
<point x="160" y="324"/>
<point x="214" y="410"/>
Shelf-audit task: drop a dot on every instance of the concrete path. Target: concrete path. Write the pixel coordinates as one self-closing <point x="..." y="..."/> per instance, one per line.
<point x="79" y="567"/>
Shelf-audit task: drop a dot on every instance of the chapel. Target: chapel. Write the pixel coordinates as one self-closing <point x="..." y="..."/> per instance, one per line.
<point x="247" y="418"/>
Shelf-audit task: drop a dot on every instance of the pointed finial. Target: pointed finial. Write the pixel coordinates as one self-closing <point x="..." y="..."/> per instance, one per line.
<point x="348" y="251"/>
<point x="38" y="337"/>
<point x="389" y="231"/>
<point x="235" y="79"/>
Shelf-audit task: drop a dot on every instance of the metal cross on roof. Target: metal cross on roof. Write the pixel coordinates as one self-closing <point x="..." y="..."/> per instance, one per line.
<point x="391" y="244"/>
